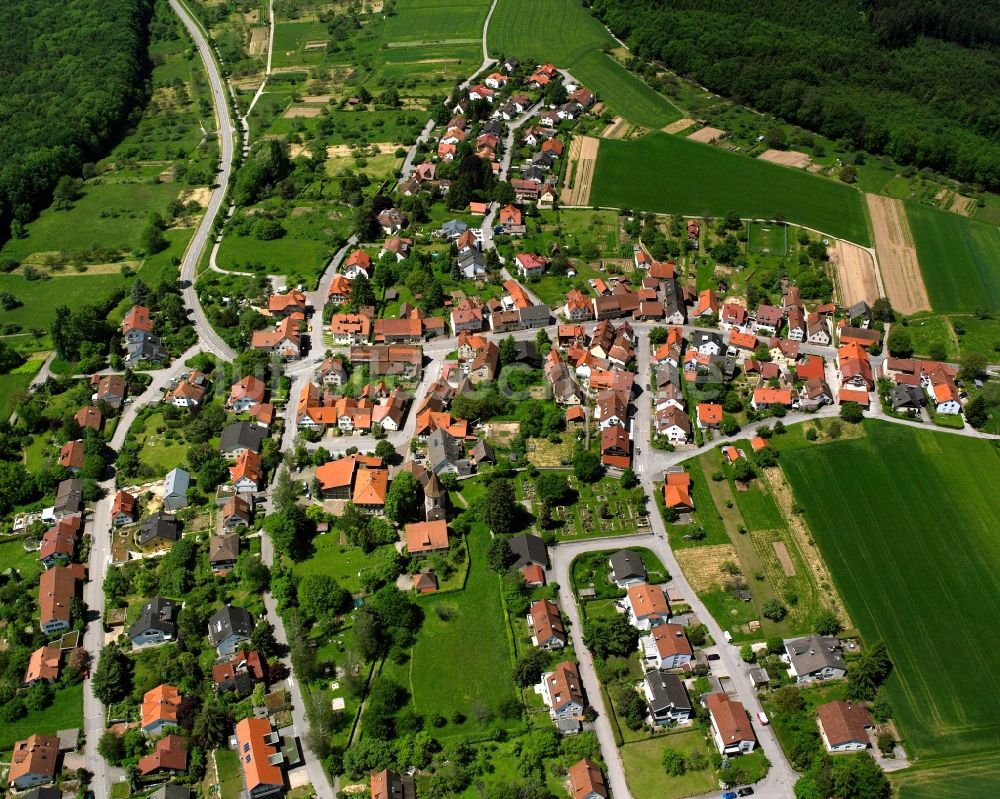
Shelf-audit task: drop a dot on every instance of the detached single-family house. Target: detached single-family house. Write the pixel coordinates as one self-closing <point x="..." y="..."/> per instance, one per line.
<point x="528" y="548"/>
<point x="56" y="590"/>
<point x="159" y="709"/>
<point x="666" y="647"/>
<point x="229" y="627"/>
<point x="815" y="657"/>
<point x="586" y="780"/>
<point x="426" y="537"/>
<point x="260" y="758"/>
<point x="239" y="437"/>
<point x="731" y="728"/>
<point x="546" y="625"/>
<point x="237" y="511"/>
<point x="157" y="623"/>
<point x="666" y="697"/>
<point x="245" y="394"/>
<point x="647" y="606"/>
<point x="387" y="784"/>
<point x="562" y="692"/>
<point x="844" y="726"/>
<point x="169" y="757"/>
<point x="627" y="568"/>
<point x="175" y="488"/>
<point x="159" y="531"/>
<point x="223" y="551"/>
<point x="33" y="762"/>
<point x="44" y="665"/>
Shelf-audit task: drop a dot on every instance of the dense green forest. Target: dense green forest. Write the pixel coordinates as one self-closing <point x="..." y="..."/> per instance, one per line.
<point x="913" y="79"/>
<point x="72" y="73"/>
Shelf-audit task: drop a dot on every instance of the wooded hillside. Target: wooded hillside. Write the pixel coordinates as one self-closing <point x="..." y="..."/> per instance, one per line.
<point x="71" y="73"/>
<point x="913" y="79"/>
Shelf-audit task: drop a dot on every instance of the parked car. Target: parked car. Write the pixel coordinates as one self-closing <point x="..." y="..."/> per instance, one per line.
<point x="745" y="791"/>
<point x="729" y="795"/>
<point x="762" y="718"/>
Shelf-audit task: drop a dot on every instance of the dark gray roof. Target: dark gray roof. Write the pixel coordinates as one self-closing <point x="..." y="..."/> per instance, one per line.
<point x="69" y="495"/>
<point x="667" y="691"/>
<point x="483" y="451"/>
<point x="162" y="525"/>
<point x="527" y="549"/>
<point x="534" y="313"/>
<point x="241" y="434"/>
<point x="223" y="548"/>
<point x="229" y="621"/>
<point x="699" y="337"/>
<point x="525" y="351"/>
<point x="45" y="793"/>
<point x="444" y="451"/>
<point x="814" y="653"/>
<point x="627" y="564"/>
<point x="157" y="614"/>
<point x="149" y="348"/>
<point x="667" y="374"/>
<point x="859" y="309"/>
<point x="904" y="396"/>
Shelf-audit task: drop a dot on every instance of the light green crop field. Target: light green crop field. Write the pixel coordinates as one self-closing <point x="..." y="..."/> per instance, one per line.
<point x="909" y="525"/>
<point x="968" y="779"/>
<point x="418" y="21"/>
<point x="667" y="174"/>
<point x="566" y="34"/>
<point x="959" y="258"/>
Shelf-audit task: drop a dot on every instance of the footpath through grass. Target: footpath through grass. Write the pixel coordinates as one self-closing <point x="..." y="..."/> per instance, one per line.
<point x="958" y="257"/>
<point x="667" y="174"/>
<point x="909" y="525"/>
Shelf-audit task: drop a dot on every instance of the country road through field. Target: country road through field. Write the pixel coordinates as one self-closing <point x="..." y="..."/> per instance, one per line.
<point x="196" y="247"/>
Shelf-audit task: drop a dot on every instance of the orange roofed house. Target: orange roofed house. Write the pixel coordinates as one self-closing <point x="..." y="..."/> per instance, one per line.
<point x="33" y="762"/>
<point x="677" y="491"/>
<point x="159" y="709"/>
<point x="731" y="728"/>
<point x="562" y="692"/>
<point x="586" y="781"/>
<point x="285" y="340"/>
<point x="260" y="760"/>
<point x="709" y="415"/>
<point x="169" y="756"/>
<point x="647" y="606"/>
<point x="56" y="591"/>
<point x="424" y="537"/>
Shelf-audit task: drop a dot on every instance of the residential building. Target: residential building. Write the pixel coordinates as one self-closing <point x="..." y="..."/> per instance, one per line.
<point x="56" y="591"/>
<point x="240" y="437"/>
<point x="815" y="657"/>
<point x="157" y="623"/>
<point x="44" y="665"/>
<point x="562" y="692"/>
<point x="169" y="757"/>
<point x="236" y="512"/>
<point x="768" y="319"/>
<point x="159" y="709"/>
<point x="731" y="728"/>
<point x="647" y="606"/>
<point x="545" y="624"/>
<point x="33" y="762"/>
<point x="285" y="340"/>
<point x="240" y="673"/>
<point x="616" y="448"/>
<point x="627" y="568"/>
<point x="282" y="305"/>
<point x="387" y="784"/>
<point x="526" y="549"/>
<point x="844" y="726"/>
<point x="59" y="542"/>
<point x="260" y="760"/>
<point x="666" y="647"/>
<point x="223" y="551"/>
<point x="709" y="415"/>
<point x="111" y="389"/>
<point x="350" y="328"/>
<point x="88" y="417"/>
<point x="229" y="627"/>
<point x="69" y="498"/>
<point x="159" y="531"/>
<point x="71" y="456"/>
<point x="446" y="455"/>
<point x="245" y="394"/>
<point x="586" y="780"/>
<point x="247" y="473"/>
<point x="666" y="697"/>
<point x="673" y="423"/>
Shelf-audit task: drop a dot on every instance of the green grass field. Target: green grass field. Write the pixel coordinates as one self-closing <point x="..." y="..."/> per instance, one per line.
<point x="971" y="778"/>
<point x="668" y="174"/>
<point x="567" y="35"/>
<point x="433" y="21"/>
<point x="908" y="523"/>
<point x="959" y="258"/>
<point x="466" y="660"/>
<point x="65" y="712"/>
<point x="644" y="769"/>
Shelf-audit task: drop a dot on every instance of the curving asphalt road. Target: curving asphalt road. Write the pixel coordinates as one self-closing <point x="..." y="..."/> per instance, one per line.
<point x="196" y="248"/>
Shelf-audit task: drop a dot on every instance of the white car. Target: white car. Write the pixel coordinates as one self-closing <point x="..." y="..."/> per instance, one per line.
<point x="762" y="718"/>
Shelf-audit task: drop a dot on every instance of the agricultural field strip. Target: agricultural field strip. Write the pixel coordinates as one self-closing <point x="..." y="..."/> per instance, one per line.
<point x="882" y="510"/>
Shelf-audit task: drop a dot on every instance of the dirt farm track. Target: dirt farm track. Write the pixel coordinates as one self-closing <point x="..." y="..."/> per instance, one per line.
<point x="897" y="256"/>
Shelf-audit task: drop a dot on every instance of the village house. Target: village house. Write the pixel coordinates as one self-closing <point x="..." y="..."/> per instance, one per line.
<point x="158" y="531"/>
<point x="616" y="449"/>
<point x="229" y="627"/>
<point x="110" y="389"/>
<point x="666" y="647"/>
<point x="33" y="762"/>
<point x="157" y="623"/>
<point x="59" y="542"/>
<point x="348" y="328"/>
<point x="546" y="625"/>
<point x="666" y="698"/>
<point x="586" y="780"/>
<point x="289" y="304"/>
<point x="169" y="757"/>
<point x="426" y="537"/>
<point x="844" y="726"/>
<point x="245" y="394"/>
<point x="57" y="588"/>
<point x="240" y="673"/>
<point x="627" y="568"/>
<point x="646" y="606"/>
<point x="223" y="551"/>
<point x="159" y="709"/>
<point x="388" y="784"/>
<point x="527" y="548"/>
<point x="815" y="658"/>
<point x="768" y="320"/>
<point x="385" y="360"/>
<point x="259" y="757"/>
<point x="731" y="728"/>
<point x="677" y="491"/>
<point x="707" y="305"/>
<point x="44" y="665"/>
<point x="284" y="341"/>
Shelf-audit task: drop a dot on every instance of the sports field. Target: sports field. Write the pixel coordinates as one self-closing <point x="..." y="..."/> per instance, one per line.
<point x="567" y="35"/>
<point x="959" y="257"/>
<point x="909" y="525"/>
<point x="664" y="173"/>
